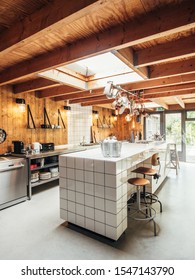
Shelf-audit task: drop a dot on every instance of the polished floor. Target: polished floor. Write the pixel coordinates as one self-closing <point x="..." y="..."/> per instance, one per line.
<point x="33" y="229"/>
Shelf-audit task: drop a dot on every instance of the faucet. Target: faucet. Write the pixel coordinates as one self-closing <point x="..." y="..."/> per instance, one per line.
<point x="83" y="142"/>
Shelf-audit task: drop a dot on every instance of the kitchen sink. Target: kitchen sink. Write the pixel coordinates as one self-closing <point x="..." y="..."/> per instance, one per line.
<point x="89" y="144"/>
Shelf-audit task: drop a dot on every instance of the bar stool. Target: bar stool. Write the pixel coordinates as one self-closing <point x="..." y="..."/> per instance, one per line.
<point x="149" y="197"/>
<point x="141" y="213"/>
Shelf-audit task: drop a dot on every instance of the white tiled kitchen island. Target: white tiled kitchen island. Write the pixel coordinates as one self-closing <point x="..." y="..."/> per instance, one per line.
<point x="94" y="189"/>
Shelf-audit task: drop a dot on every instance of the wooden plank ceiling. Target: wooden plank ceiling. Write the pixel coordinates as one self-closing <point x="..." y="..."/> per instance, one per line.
<point x="156" y="38"/>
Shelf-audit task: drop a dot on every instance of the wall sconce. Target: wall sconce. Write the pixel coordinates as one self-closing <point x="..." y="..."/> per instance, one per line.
<point x="21" y="104"/>
<point x="96" y="114"/>
<point x="68" y="109"/>
<point x="114" y="117"/>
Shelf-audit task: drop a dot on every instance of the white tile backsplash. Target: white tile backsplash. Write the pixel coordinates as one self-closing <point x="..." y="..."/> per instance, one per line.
<point x="79" y="123"/>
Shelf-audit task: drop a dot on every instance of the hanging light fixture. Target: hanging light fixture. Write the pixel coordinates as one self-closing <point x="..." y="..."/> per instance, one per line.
<point x="96" y="114"/>
<point x="21" y="104"/>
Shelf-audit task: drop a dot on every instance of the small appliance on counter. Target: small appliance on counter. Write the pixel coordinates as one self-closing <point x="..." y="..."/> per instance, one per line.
<point x="36" y="146"/>
<point x="47" y="147"/>
<point x="18" y="147"/>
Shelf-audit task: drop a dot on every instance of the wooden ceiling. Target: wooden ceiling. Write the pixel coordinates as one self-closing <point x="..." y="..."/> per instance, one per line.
<point x="156" y="38"/>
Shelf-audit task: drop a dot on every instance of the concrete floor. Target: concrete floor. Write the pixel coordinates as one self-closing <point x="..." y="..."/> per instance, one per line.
<point x="33" y="229"/>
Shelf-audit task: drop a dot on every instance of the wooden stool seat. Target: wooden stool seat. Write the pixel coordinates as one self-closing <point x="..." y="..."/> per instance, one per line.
<point x="139" y="181"/>
<point x="145" y="171"/>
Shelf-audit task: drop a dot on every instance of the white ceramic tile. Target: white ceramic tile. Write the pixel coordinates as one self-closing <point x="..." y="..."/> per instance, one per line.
<point x="129" y="162"/>
<point x="119" y="230"/>
<point x="62" y="171"/>
<point x="99" y="178"/>
<point x="71" y="217"/>
<point x="89" y="176"/>
<point x="89" y="200"/>
<point x="62" y="161"/>
<point x="124" y="177"/>
<point x="71" y="184"/>
<point x="111" y="220"/>
<point x="124" y="189"/>
<point x="99" y="216"/>
<point x="90" y="224"/>
<point x="89" y="212"/>
<point x="80" y="186"/>
<point x="80" y="197"/>
<point x="99" y="203"/>
<point x="80" y="221"/>
<point x="70" y="162"/>
<point x="110" y="167"/>
<point x="71" y="195"/>
<point x="99" y="191"/>
<point x="63" y="193"/>
<point x="71" y="206"/>
<point x="112" y="180"/>
<point x="120" y="205"/>
<point x="124" y="224"/>
<point x="64" y="214"/>
<point x="124" y="212"/>
<point x="111" y="232"/>
<point x="100" y="228"/>
<point x="110" y="206"/>
<point x="124" y="164"/>
<point x="99" y="166"/>
<point x="89" y="189"/>
<point x="63" y="204"/>
<point x="70" y="173"/>
<point x="63" y="183"/>
<point x="111" y="193"/>
<point x="88" y="164"/>
<point x="79" y="163"/>
<point x="80" y="209"/>
<point x="79" y="175"/>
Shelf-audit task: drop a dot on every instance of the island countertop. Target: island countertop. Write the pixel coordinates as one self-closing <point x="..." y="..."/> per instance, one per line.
<point x="127" y="150"/>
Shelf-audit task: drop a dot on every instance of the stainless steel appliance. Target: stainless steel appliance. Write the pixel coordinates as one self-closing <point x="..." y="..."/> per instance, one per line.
<point x="13" y="181"/>
<point x="18" y="147"/>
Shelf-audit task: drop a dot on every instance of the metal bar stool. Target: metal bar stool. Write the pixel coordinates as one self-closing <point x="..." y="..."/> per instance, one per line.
<point x="141" y="213"/>
<point x="149" y="197"/>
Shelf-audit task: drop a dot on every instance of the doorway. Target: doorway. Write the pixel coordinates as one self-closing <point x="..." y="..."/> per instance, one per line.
<point x="190" y="136"/>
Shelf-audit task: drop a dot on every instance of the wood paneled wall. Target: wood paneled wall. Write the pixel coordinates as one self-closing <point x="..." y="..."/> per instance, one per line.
<point x="14" y="122"/>
<point x="120" y="128"/>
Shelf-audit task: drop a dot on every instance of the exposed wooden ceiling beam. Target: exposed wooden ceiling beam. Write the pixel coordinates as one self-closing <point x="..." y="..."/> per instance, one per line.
<point x="88" y="99"/>
<point x="170" y="93"/>
<point x="93" y="103"/>
<point x="48" y="18"/>
<point x="84" y="94"/>
<point x="63" y="78"/>
<point x="32" y="85"/>
<point x="127" y="56"/>
<point x="57" y="91"/>
<point x="181" y="48"/>
<point x="119" y="37"/>
<point x="189" y="106"/>
<point x="160" y="102"/>
<point x="179" y="101"/>
<point x="165" y="81"/>
<point x="170" y="88"/>
<point x="172" y="68"/>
